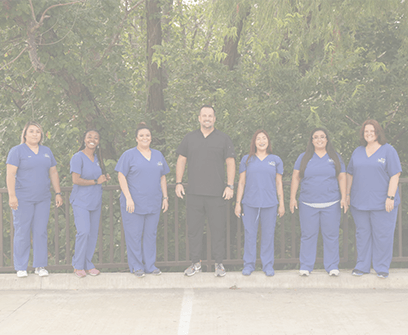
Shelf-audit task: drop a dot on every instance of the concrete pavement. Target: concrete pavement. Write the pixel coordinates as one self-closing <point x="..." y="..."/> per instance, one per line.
<point x="120" y="303"/>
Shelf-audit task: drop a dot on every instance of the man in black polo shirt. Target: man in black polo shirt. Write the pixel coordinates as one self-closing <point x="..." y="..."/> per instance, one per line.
<point x="206" y="150"/>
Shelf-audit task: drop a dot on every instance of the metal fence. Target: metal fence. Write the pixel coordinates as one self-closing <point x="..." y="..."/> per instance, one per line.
<point x="172" y="241"/>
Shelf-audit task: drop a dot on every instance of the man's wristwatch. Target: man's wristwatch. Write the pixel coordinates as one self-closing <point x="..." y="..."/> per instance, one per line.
<point x="96" y="181"/>
<point x="390" y="197"/>
<point x="231" y="187"/>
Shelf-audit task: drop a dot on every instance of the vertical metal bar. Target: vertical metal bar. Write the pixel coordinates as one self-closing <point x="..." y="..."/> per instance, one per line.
<point x="1" y="231"/>
<point x="400" y="222"/>
<point x="57" y="234"/>
<point x="111" y="240"/>
<point x="176" y="235"/>
<point x="239" y="225"/>
<point x="165" y="237"/>
<point x="67" y="231"/>
<point x="282" y="237"/>
<point x="228" y="216"/>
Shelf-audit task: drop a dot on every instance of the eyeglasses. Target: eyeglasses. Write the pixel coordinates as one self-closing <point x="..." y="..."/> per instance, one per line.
<point x="319" y="137"/>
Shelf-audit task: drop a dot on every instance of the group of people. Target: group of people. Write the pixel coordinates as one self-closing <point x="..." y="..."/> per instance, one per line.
<point x="369" y="187"/>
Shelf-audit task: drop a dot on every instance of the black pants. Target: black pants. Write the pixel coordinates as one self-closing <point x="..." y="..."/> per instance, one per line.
<point x="214" y="207"/>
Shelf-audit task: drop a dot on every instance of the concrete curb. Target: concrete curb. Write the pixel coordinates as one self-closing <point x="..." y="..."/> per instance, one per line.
<point x="319" y="279"/>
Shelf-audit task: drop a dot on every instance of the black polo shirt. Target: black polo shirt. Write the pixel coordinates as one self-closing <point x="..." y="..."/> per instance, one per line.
<point x="206" y="161"/>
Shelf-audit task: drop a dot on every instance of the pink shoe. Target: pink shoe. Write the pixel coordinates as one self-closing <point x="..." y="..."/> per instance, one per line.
<point x="93" y="272"/>
<point x="80" y="273"/>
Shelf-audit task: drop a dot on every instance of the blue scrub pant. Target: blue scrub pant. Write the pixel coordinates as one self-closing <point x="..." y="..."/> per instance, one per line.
<point x="141" y="256"/>
<point x="374" y="238"/>
<point x="87" y="225"/>
<point x="250" y="218"/>
<point x="328" y="220"/>
<point x="31" y="216"/>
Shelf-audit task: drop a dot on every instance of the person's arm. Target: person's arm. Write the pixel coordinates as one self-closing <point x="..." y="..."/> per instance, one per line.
<point x="343" y="186"/>
<point x="228" y="192"/>
<point x="349" y="182"/>
<point x="392" y="190"/>
<point x="11" y="186"/>
<point x="279" y="192"/>
<point x="180" y="167"/>
<point x="130" y="205"/>
<point x="56" y="185"/>
<point x="77" y="180"/>
<point x="163" y="184"/>
<point x="293" y="190"/>
<point x="240" y="193"/>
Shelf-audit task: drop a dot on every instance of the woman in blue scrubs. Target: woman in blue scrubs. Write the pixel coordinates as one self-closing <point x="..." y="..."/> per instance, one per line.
<point x="372" y="191"/>
<point x="30" y="168"/>
<point x="260" y="189"/>
<point x="321" y="173"/>
<point x="142" y="179"/>
<point x="88" y="174"/>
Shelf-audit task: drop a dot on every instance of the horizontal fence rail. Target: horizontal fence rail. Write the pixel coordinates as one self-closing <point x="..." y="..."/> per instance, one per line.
<point x="172" y="241"/>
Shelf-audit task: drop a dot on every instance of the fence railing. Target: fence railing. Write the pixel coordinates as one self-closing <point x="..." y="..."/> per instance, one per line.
<point x="172" y="241"/>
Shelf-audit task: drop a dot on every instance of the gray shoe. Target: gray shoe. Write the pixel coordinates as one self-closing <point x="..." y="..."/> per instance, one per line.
<point x="193" y="269"/>
<point x="219" y="270"/>
<point x="157" y="272"/>
<point x="139" y="273"/>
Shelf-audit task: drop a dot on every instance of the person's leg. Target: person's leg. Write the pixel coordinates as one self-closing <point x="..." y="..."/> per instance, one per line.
<point x="195" y="221"/>
<point x="330" y="224"/>
<point x="383" y="224"/>
<point x="133" y="228"/>
<point x="309" y="224"/>
<point x="215" y="208"/>
<point x="22" y="218"/>
<point x="268" y="222"/>
<point x="82" y="224"/>
<point x="93" y="237"/>
<point x="40" y="233"/>
<point x="250" y="219"/>
<point x="363" y="239"/>
<point x="149" y="241"/>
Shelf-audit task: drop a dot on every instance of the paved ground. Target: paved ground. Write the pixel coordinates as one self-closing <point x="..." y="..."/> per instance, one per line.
<point x="207" y="305"/>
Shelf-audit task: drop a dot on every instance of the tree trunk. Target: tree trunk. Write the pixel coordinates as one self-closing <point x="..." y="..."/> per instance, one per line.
<point x="155" y="98"/>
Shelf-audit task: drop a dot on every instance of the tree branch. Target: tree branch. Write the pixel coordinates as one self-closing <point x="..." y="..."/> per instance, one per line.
<point x="116" y="35"/>
<point x="1" y="68"/>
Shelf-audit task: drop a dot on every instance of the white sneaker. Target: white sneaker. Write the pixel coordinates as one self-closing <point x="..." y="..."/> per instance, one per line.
<point x="304" y="273"/>
<point x="334" y="273"/>
<point x="42" y="272"/>
<point x="22" y="274"/>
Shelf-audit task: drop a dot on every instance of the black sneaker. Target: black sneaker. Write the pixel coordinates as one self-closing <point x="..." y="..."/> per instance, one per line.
<point x="357" y="272"/>
<point x="382" y="275"/>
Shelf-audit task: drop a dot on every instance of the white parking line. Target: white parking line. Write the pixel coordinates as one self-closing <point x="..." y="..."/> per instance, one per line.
<point x="186" y="311"/>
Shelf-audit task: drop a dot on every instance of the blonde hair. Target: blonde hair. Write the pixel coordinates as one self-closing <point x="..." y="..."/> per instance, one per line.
<point x="24" y="133"/>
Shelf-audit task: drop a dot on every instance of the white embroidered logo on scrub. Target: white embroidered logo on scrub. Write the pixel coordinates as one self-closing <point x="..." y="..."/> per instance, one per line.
<point x="272" y="163"/>
<point x="330" y="160"/>
<point x="97" y="163"/>
<point x="46" y="156"/>
<point x="381" y="160"/>
<point x="159" y="163"/>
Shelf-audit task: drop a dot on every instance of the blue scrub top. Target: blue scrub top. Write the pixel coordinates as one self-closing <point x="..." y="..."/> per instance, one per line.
<point x="371" y="177"/>
<point x="88" y="197"/>
<point x="143" y="178"/>
<point x="260" y="182"/>
<point x="319" y="184"/>
<point x="33" y="173"/>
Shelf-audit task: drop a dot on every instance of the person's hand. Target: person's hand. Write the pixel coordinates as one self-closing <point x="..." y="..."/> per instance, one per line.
<point x="58" y="200"/>
<point x="228" y="193"/>
<point x="281" y="210"/>
<point x="238" y="210"/>
<point x="102" y="178"/>
<point x="389" y="205"/>
<point x="13" y="202"/>
<point x="130" y="205"/>
<point x="165" y="205"/>
<point x="292" y="205"/>
<point x="108" y="177"/>
<point x="180" y="190"/>
<point x="344" y="204"/>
